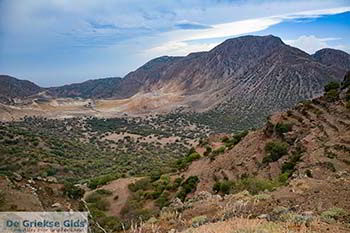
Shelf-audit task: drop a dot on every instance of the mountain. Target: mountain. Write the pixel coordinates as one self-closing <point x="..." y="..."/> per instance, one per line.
<point x="98" y="88"/>
<point x="11" y="88"/>
<point x="237" y="84"/>
<point x="333" y="58"/>
<point x="117" y="88"/>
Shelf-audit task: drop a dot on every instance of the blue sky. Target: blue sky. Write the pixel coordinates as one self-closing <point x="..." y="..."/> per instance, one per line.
<point x="55" y="42"/>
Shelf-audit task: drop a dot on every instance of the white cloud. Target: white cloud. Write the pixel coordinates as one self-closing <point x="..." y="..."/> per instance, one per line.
<point x="175" y="42"/>
<point x="179" y="48"/>
<point x="311" y="43"/>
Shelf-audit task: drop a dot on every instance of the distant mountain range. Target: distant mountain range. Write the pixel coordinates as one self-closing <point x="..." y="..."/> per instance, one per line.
<point x="245" y="78"/>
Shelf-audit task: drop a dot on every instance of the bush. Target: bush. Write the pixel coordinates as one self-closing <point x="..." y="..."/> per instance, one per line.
<point x="178" y="181"/>
<point x="191" y="151"/>
<point x="102" y="205"/>
<point x="223" y="187"/>
<point x="93" y="197"/>
<point x="111" y="223"/>
<point x="283" y="127"/>
<point x="219" y="150"/>
<point x="331" y="86"/>
<point x="333" y="214"/>
<point x="103" y="192"/>
<point x="236" y="138"/>
<point x="189" y="186"/>
<point x="101" y="180"/>
<point x="289" y="166"/>
<point x="283" y="177"/>
<point x="155" y="175"/>
<point x="274" y="151"/>
<point x="239" y="136"/>
<point x="199" y="220"/>
<point x="192" y="157"/>
<point x="163" y="200"/>
<point x="72" y="191"/>
<point x="142" y="184"/>
<point x="183" y="163"/>
<point x="216" y="187"/>
<point x="332" y="95"/>
<point x="254" y="185"/>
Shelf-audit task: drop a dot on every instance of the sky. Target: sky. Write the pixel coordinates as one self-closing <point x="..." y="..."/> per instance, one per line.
<point x="56" y="42"/>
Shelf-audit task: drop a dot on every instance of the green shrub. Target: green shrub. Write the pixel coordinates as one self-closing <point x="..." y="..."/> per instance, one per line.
<point x="216" y="187"/>
<point x="274" y="151"/>
<point x="331" y="86"/>
<point x="225" y="139"/>
<point x="72" y="191"/>
<point x="199" y="220"/>
<point x="178" y="181"/>
<point x="104" y="192"/>
<point x="101" y="180"/>
<point x="223" y="187"/>
<point x="289" y="166"/>
<point x="93" y="197"/>
<point x="254" y="185"/>
<point x="333" y="214"/>
<point x="192" y="157"/>
<point x="236" y="138"/>
<point x="332" y="95"/>
<point x="283" y="177"/>
<point x="239" y="136"/>
<point x="189" y="186"/>
<point x="102" y="204"/>
<point x="96" y="213"/>
<point x="112" y="223"/>
<point x="155" y="175"/>
<point x="142" y="184"/>
<point x="191" y="151"/>
<point x="163" y="200"/>
<point x="183" y="163"/>
<point x="283" y="127"/>
<point x="219" y="150"/>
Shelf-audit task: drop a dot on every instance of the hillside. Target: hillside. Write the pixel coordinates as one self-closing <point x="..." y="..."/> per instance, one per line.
<point x="98" y="88"/>
<point x="164" y="174"/>
<point x="333" y="57"/>
<point x="12" y="88"/>
<point x="291" y="174"/>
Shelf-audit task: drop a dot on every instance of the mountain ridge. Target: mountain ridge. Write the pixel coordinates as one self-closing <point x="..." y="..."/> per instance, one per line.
<point x="246" y="78"/>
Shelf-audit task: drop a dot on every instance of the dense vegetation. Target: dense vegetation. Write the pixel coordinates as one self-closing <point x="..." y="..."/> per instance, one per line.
<point x="78" y="150"/>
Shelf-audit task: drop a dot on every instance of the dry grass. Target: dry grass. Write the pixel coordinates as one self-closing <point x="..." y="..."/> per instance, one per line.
<point x="243" y="225"/>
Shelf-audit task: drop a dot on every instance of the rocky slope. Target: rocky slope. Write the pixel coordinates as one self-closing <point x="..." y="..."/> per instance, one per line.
<point x="292" y="175"/>
<point x="333" y="57"/>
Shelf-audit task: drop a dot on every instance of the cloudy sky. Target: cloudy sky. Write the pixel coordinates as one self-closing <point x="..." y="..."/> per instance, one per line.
<point x="54" y="42"/>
